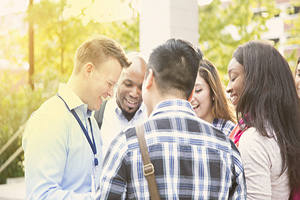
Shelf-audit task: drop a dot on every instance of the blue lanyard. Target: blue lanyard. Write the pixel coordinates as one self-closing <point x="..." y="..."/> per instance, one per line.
<point x="92" y="144"/>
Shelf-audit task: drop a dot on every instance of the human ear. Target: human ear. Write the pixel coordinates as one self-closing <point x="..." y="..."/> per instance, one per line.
<point x="89" y="67"/>
<point x="148" y="82"/>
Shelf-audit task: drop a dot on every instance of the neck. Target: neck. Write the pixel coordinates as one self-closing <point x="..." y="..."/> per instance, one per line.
<point x="76" y="85"/>
<point x="160" y="98"/>
<point x="209" y="118"/>
<point x="128" y="116"/>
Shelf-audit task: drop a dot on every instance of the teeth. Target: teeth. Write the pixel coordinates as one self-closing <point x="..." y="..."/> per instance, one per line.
<point x="233" y="98"/>
<point x="131" y="102"/>
<point x="194" y="107"/>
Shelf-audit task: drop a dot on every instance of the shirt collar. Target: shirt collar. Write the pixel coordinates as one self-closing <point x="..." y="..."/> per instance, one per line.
<point x="173" y="105"/>
<point x="71" y="98"/>
<point x="119" y="113"/>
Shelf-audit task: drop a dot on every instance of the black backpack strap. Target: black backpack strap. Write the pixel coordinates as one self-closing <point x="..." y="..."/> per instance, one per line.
<point x="99" y="114"/>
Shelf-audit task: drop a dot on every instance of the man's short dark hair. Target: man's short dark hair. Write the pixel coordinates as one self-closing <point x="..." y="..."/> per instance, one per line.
<point x="175" y="65"/>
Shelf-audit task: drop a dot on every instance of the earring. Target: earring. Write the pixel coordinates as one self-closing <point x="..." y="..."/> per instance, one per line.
<point x="213" y="99"/>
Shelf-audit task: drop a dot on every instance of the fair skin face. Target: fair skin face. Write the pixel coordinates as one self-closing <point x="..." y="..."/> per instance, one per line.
<point x="94" y="84"/>
<point x="202" y="100"/>
<point x="297" y="79"/>
<point x="129" y="92"/>
<point x="236" y="75"/>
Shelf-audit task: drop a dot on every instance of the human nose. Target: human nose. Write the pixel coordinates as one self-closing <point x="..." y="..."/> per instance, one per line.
<point x="192" y="97"/>
<point x="135" y="92"/>
<point x="229" y="88"/>
<point x="111" y="91"/>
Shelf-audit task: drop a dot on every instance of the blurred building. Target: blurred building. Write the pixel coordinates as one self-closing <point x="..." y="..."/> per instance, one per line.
<point x="280" y="25"/>
<point x="161" y="20"/>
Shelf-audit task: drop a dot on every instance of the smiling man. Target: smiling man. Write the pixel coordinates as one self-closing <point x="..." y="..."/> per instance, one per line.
<point x="61" y="142"/>
<point x="126" y="108"/>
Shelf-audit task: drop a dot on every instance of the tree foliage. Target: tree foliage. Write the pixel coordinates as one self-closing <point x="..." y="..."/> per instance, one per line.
<point x="56" y="39"/>
<point x="294" y="38"/>
<point x="224" y="26"/>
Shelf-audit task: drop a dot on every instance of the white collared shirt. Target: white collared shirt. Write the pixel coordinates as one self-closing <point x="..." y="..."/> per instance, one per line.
<point x="115" y="122"/>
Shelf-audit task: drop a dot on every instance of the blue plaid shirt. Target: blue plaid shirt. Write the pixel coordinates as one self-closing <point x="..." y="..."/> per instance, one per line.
<point x="226" y="126"/>
<point x="192" y="159"/>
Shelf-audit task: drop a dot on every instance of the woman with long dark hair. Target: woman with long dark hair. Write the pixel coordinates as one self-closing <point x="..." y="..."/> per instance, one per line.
<point x="263" y="90"/>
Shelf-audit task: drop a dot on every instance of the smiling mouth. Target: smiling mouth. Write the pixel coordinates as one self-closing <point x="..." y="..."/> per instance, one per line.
<point x="131" y="102"/>
<point x="195" y="107"/>
<point x="233" y="98"/>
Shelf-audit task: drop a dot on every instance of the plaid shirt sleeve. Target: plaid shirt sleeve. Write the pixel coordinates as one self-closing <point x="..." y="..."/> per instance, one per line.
<point x="223" y="125"/>
<point x="238" y="190"/>
<point x="113" y="175"/>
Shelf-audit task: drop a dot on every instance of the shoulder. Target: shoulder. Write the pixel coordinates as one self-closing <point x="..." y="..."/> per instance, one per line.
<point x="252" y="137"/>
<point x="117" y="150"/>
<point x="229" y="123"/>
<point x="51" y="123"/>
<point x="130" y="136"/>
<point x="54" y="107"/>
<point x="223" y="123"/>
<point x="52" y="111"/>
<point x="226" y="126"/>
<point x="255" y="146"/>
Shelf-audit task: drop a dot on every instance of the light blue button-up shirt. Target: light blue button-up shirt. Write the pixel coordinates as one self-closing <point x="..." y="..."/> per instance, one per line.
<point x="114" y="122"/>
<point x="59" y="162"/>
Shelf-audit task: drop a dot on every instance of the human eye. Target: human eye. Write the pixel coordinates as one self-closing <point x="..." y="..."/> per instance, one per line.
<point x="109" y="84"/>
<point x="198" y="90"/>
<point x="128" y="84"/>
<point x="233" y="79"/>
<point x="140" y="87"/>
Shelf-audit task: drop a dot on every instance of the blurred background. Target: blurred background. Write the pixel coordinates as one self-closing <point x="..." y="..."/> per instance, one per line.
<point x="38" y="39"/>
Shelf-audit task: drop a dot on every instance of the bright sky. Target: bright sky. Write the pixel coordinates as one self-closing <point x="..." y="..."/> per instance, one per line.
<point x="204" y="2"/>
<point x="100" y="10"/>
<point x="112" y="9"/>
<point x="12" y="6"/>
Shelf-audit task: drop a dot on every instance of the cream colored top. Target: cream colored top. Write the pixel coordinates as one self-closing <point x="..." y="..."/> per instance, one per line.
<point x="262" y="163"/>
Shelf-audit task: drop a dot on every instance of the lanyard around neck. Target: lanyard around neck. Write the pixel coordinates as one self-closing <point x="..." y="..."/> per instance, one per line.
<point x="92" y="144"/>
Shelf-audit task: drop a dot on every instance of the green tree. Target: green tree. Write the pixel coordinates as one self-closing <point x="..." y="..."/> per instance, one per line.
<point x="294" y="38"/>
<point x="17" y="102"/>
<point x="56" y="39"/>
<point x="217" y="18"/>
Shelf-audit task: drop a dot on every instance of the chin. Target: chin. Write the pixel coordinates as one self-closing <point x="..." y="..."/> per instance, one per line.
<point x="96" y="107"/>
<point x="130" y="111"/>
